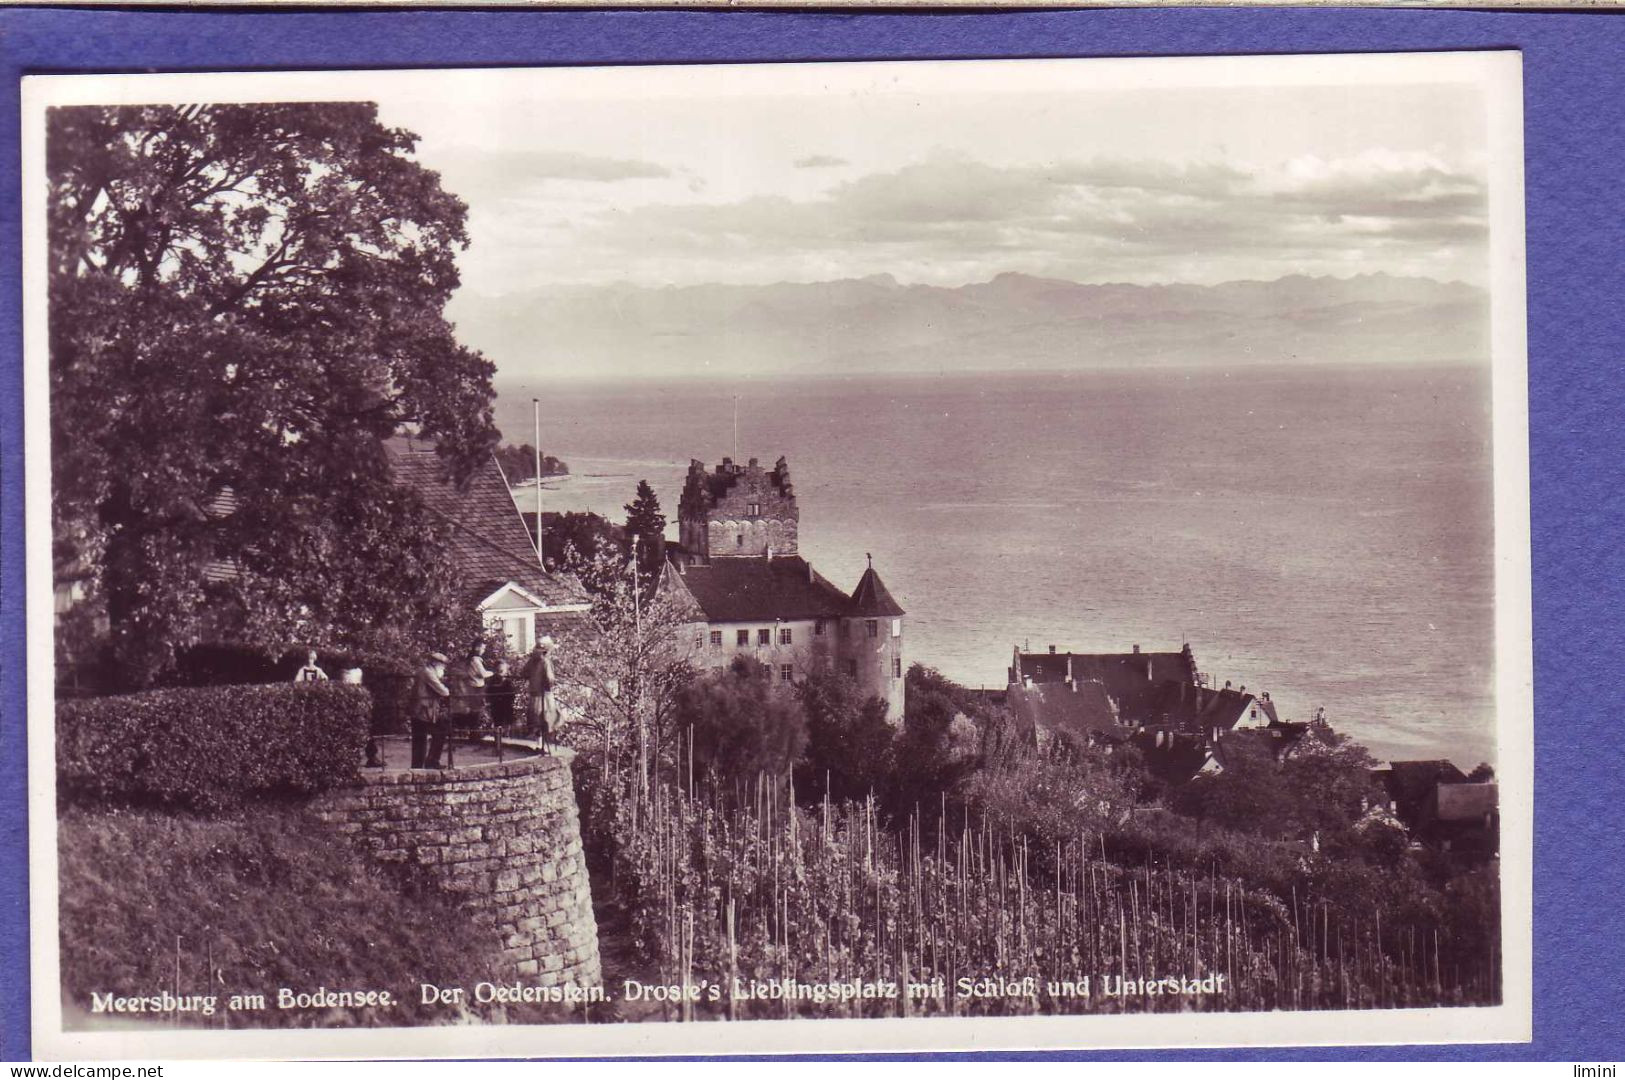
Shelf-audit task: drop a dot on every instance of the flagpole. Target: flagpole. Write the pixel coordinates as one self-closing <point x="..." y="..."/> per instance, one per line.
<point x="736" y="429"/>
<point x="536" y="409"/>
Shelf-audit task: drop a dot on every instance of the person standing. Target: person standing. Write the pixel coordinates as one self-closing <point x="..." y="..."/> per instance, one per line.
<point x="468" y="687"/>
<point x="310" y="672"/>
<point x="499" y="694"/>
<point x="429" y="699"/>
<point x="540" y="677"/>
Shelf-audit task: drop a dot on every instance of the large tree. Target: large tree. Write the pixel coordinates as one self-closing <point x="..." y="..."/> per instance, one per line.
<point x="647" y="525"/>
<point x="245" y="301"/>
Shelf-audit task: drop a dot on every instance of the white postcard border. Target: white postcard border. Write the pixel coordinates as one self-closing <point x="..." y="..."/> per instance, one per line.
<point x="1498" y="72"/>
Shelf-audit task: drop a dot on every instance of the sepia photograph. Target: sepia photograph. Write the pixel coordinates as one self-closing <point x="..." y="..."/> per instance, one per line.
<point x="839" y="556"/>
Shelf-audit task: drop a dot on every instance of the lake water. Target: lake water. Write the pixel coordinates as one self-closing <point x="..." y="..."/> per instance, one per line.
<point x="1324" y="534"/>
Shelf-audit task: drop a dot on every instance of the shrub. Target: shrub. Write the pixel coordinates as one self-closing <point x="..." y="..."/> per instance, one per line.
<point x="210" y="747"/>
<point x="849" y="742"/>
<point x="740" y="725"/>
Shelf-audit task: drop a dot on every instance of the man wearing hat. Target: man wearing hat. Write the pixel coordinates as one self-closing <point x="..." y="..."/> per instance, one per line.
<point x="429" y="695"/>
<point x="538" y="674"/>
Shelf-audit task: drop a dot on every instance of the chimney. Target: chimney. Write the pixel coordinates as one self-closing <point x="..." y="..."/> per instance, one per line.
<point x="1052" y="650"/>
<point x="1136" y="650"/>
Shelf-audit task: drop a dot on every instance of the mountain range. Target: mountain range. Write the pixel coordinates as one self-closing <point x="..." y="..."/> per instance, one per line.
<point x="1012" y="322"/>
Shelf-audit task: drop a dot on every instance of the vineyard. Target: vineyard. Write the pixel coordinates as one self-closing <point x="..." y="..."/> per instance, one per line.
<point x="793" y="911"/>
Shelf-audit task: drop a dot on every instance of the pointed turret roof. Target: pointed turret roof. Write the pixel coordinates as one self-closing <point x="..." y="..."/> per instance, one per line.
<point x="871" y="598"/>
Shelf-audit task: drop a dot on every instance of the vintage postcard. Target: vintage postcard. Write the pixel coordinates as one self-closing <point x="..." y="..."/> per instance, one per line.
<point x="823" y="558"/>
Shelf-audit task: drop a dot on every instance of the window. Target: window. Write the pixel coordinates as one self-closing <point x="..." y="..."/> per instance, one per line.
<point x="754" y="509"/>
<point x="699" y="639"/>
<point x="818" y="627"/>
<point x="764" y="636"/>
<point x="897" y="628"/>
<point x="739" y="541"/>
<point x="787" y="672"/>
<point x="897" y="667"/>
<point x="874" y="627"/>
<point x="784" y="635"/>
<point x="743" y="638"/>
<point x="716" y="639"/>
<point x="852" y="668"/>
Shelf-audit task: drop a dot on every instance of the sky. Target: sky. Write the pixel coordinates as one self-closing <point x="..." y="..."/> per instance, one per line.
<point x="657" y="178"/>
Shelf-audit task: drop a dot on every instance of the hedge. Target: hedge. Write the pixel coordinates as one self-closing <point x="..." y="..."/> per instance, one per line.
<point x="210" y="747"/>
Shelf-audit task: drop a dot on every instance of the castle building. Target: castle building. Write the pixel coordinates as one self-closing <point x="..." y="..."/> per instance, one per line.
<point x="736" y="561"/>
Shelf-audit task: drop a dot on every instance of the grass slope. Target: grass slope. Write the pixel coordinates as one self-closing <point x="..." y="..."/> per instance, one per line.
<point x="250" y="902"/>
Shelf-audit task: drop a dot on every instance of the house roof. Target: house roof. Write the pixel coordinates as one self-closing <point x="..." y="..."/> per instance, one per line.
<point x="872" y="599"/>
<point x="489" y="540"/>
<point x="1466" y="802"/>
<point x="1171" y="755"/>
<point x="1080" y="708"/>
<point x="1154" y="667"/>
<point x="1133" y="680"/>
<point x="1409" y="782"/>
<point x="1267" y="707"/>
<point x="760" y="589"/>
<point x="1183" y="706"/>
<point x="1258" y="744"/>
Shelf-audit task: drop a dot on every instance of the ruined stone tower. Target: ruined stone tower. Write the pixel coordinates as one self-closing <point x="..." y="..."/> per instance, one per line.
<point x="737" y="511"/>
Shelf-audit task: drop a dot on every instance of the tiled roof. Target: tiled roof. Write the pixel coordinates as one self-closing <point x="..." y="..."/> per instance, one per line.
<point x="1081" y="708"/>
<point x="1110" y="667"/>
<point x="1182" y="706"/>
<point x="489" y="539"/>
<point x="761" y="589"/>
<point x="1133" y="680"/>
<point x="872" y="599"/>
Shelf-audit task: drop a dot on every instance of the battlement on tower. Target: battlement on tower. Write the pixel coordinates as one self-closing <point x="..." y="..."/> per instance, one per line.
<point x="738" y="510"/>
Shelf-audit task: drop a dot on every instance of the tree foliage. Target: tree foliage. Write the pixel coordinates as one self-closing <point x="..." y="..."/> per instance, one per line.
<point x="622" y="668"/>
<point x="647" y="525"/>
<point x="740" y="725"/>
<point x="519" y="463"/>
<point x="849" y="740"/>
<point x="939" y="741"/>
<point x="1322" y="787"/>
<point x="245" y="301"/>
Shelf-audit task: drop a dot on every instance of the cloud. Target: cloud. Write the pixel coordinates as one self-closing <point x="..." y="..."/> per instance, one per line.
<point x="532" y="165"/>
<point x="820" y="161"/>
<point x="486" y="177"/>
<point x="953" y="218"/>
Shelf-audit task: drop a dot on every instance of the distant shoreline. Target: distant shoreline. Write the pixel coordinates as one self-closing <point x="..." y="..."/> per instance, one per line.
<point x="530" y="386"/>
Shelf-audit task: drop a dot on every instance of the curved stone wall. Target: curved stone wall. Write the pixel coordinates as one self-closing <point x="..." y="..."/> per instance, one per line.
<point x="505" y="836"/>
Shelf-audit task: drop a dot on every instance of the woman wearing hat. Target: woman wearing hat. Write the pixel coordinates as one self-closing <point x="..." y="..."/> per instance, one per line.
<point x="429" y="696"/>
<point x="467" y="686"/>
<point x="539" y="675"/>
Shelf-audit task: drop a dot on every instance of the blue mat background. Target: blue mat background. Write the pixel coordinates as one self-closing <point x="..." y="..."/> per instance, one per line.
<point x="1574" y="71"/>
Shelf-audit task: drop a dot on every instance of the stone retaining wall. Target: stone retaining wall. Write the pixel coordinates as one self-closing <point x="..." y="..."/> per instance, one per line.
<point x="505" y="836"/>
